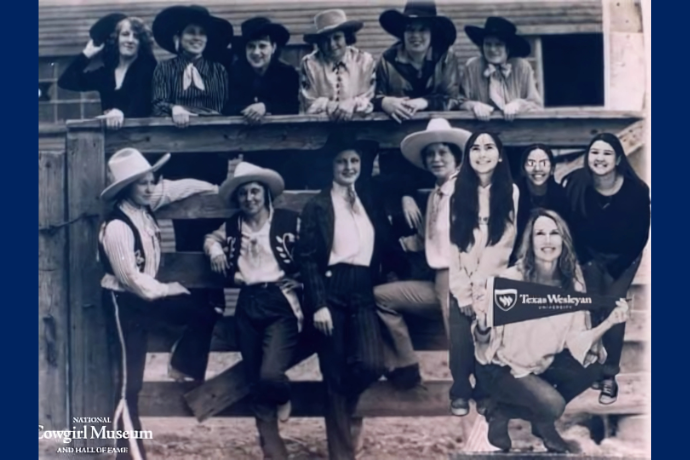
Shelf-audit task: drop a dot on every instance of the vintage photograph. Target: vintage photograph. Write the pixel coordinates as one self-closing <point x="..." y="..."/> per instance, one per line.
<point x="344" y="229"/>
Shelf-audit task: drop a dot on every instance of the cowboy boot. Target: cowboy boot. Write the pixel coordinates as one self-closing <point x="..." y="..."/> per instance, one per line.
<point x="546" y="431"/>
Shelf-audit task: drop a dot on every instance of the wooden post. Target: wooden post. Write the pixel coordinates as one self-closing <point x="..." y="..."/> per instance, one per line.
<point x="90" y="371"/>
<point x="53" y="316"/>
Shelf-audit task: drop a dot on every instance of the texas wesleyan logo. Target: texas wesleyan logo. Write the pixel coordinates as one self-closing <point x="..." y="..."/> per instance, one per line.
<point x="505" y="298"/>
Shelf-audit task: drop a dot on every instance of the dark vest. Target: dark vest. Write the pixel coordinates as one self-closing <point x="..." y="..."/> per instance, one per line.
<point x="282" y="234"/>
<point x="139" y="254"/>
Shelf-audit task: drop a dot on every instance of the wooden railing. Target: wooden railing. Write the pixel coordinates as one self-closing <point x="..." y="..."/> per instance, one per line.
<point x="87" y="149"/>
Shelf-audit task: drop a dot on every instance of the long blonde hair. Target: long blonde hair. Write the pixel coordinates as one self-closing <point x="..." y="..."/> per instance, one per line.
<point x="569" y="270"/>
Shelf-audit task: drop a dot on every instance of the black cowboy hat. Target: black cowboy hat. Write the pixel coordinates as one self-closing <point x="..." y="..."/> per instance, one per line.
<point x="172" y="21"/>
<point x="442" y="28"/>
<point x="263" y="27"/>
<point x="105" y="26"/>
<point x="505" y="31"/>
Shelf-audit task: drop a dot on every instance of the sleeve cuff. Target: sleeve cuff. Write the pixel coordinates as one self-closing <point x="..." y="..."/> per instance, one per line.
<point x="215" y="250"/>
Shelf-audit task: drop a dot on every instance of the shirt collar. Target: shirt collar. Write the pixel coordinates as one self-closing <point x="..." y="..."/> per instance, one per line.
<point x="341" y="190"/>
<point x="345" y="62"/>
<point x="402" y="57"/>
<point x="448" y="187"/>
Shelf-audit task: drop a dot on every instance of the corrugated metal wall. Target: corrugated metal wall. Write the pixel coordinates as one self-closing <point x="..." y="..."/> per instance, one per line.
<point x="63" y="28"/>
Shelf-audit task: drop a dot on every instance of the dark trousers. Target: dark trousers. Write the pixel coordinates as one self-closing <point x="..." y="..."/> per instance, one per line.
<point x="351" y="359"/>
<point x="129" y="323"/>
<point x="461" y="355"/>
<point x="599" y="281"/>
<point x="267" y="335"/>
<point x="537" y="398"/>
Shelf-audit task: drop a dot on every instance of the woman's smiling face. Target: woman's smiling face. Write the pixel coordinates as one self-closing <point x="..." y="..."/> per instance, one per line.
<point x="538" y="167"/>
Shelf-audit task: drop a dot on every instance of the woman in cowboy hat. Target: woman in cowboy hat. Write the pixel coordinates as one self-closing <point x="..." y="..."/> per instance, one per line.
<point x="337" y="78"/>
<point x="124" y="81"/>
<point x="610" y="218"/>
<point x="191" y="83"/>
<point x="482" y="232"/>
<point x="253" y="249"/>
<point x="500" y="78"/>
<point x="419" y="72"/>
<point x="533" y="369"/>
<point x="262" y="83"/>
<point x="344" y="240"/>
<point x="130" y="251"/>
<point x="438" y="150"/>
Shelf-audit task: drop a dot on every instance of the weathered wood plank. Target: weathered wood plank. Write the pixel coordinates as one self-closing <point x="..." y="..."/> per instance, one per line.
<point x="228" y="387"/>
<point x="427" y="334"/>
<point x="211" y="207"/>
<point x="90" y="377"/>
<point x="53" y="327"/>
<point x="556" y="127"/>
<point x="166" y="399"/>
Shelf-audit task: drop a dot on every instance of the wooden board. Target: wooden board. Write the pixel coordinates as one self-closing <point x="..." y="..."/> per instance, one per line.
<point x="90" y="377"/>
<point x="53" y="327"/>
<point x="556" y="127"/>
<point x="427" y="334"/>
<point x="166" y="399"/>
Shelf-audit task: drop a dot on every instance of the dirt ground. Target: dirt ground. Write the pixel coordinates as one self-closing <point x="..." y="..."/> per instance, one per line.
<point x="398" y="438"/>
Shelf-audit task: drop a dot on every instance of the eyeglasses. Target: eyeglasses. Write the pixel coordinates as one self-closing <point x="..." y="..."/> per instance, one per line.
<point x="533" y="163"/>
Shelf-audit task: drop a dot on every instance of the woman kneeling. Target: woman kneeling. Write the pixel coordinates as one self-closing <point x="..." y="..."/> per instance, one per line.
<point x="533" y="369"/>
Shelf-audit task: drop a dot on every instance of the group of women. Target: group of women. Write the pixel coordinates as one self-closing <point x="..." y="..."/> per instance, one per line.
<point x="418" y="73"/>
<point x="337" y="273"/>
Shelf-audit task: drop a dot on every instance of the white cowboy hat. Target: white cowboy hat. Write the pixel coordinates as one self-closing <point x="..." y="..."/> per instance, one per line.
<point x="127" y="166"/>
<point x="329" y="21"/>
<point x="438" y="130"/>
<point x="247" y="172"/>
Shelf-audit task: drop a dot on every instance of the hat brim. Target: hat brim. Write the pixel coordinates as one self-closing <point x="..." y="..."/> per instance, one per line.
<point x="105" y="26"/>
<point x="113" y="189"/>
<point x="174" y="19"/>
<point x="353" y="26"/>
<point x="413" y="145"/>
<point x="276" y="32"/>
<point x="443" y="30"/>
<point x="517" y="46"/>
<point x="268" y="177"/>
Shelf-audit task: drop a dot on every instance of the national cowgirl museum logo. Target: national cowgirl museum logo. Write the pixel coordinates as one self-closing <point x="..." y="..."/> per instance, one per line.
<point x="91" y="428"/>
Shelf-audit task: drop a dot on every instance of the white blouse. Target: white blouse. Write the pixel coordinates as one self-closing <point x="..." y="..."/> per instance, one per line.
<point x="437" y="234"/>
<point x="118" y="240"/>
<point x="353" y="239"/>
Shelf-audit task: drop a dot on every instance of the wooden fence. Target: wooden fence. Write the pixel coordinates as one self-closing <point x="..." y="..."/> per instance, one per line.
<point x="71" y="322"/>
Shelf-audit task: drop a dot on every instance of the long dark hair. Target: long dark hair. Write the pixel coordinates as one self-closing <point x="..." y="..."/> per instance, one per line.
<point x="580" y="181"/>
<point x="569" y="271"/>
<point x="111" y="51"/>
<point x="465" y="200"/>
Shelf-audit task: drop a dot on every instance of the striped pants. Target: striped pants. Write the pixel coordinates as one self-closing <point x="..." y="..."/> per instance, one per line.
<point x="351" y="359"/>
<point x="129" y="320"/>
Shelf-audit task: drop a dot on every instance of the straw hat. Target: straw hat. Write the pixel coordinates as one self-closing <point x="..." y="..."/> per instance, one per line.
<point x="127" y="166"/>
<point x="247" y="172"/>
<point x="438" y="130"/>
<point x="330" y="21"/>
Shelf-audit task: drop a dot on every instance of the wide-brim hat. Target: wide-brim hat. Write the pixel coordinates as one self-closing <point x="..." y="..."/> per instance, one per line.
<point x="172" y="21"/>
<point x="443" y="31"/>
<point x="505" y="31"/>
<point x="330" y="21"/>
<point x="127" y="166"/>
<point x="438" y="130"/>
<point x="246" y="173"/>
<point x="105" y="26"/>
<point x="259" y="27"/>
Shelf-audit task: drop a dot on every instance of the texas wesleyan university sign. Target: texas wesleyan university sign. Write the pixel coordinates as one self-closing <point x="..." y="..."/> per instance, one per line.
<point x="515" y="301"/>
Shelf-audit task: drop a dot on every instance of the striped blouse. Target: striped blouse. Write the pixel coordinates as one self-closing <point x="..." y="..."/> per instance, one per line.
<point x="118" y="240"/>
<point x="168" y="87"/>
